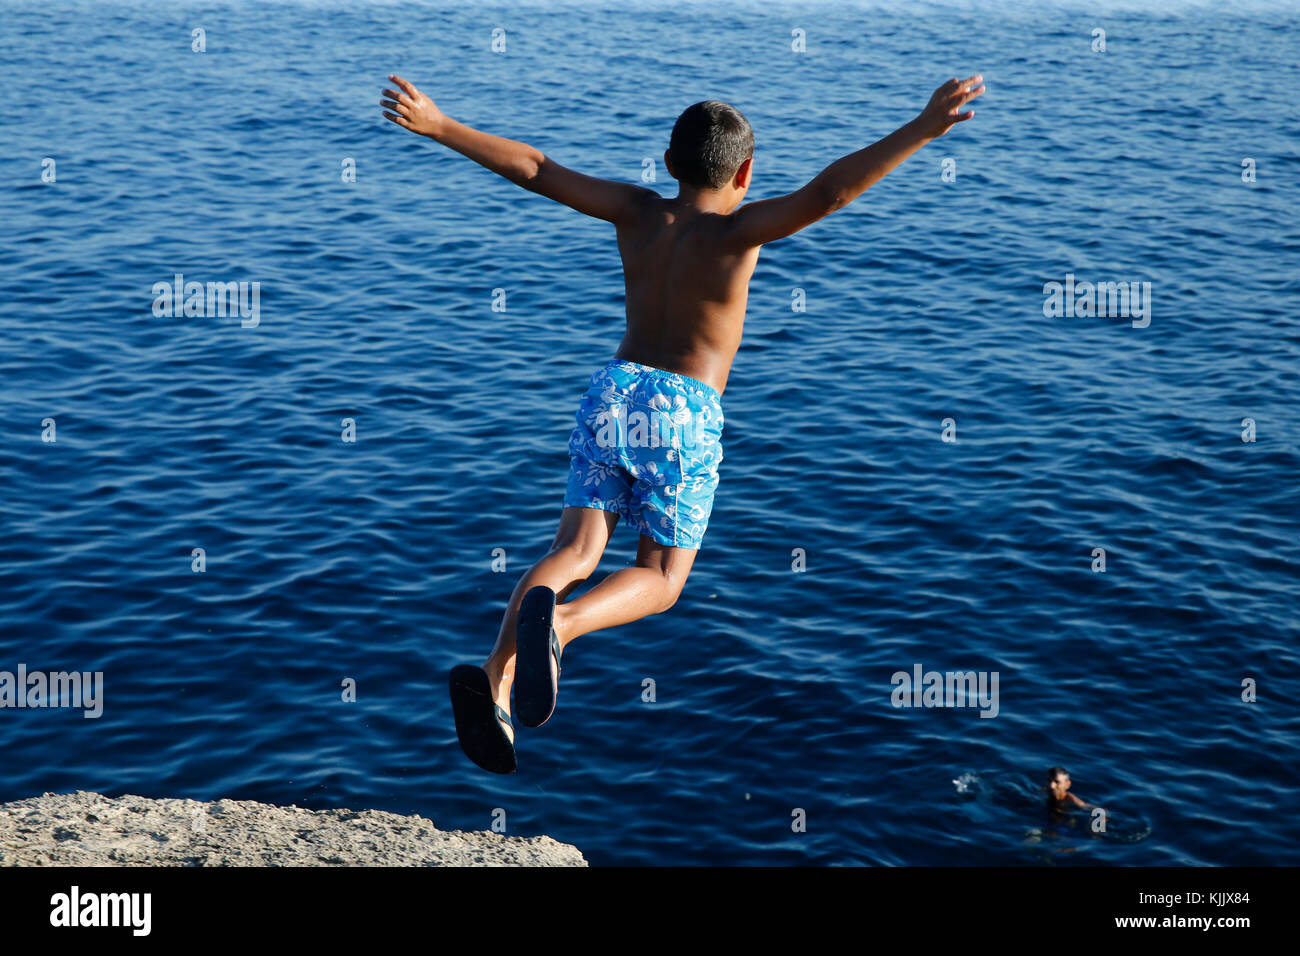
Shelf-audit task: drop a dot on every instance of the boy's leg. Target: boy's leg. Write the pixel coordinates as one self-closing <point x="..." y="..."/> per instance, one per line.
<point x="629" y="594"/>
<point x="574" y="554"/>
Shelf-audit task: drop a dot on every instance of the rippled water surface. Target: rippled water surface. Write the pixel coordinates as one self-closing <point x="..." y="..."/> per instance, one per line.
<point x="373" y="560"/>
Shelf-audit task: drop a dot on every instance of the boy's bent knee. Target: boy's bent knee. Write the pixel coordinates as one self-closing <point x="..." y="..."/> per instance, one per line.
<point x="672" y="590"/>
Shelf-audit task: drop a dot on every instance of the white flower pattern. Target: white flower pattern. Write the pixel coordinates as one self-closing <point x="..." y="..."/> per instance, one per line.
<point x="647" y="446"/>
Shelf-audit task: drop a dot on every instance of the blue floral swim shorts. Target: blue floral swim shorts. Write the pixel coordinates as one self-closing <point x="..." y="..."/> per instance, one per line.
<point x="647" y="446"/>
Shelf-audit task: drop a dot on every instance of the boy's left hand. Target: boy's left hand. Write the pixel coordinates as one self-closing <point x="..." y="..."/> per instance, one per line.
<point x="412" y="109"/>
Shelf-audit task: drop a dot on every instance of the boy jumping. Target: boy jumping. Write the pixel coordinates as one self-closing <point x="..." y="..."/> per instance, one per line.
<point x="648" y="439"/>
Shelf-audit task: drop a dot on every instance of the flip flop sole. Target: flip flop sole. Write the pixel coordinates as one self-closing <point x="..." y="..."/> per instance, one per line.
<point x="480" y="733"/>
<point x="535" y="689"/>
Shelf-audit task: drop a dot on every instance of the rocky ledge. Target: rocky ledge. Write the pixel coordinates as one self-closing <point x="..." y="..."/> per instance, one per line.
<point x="90" y="829"/>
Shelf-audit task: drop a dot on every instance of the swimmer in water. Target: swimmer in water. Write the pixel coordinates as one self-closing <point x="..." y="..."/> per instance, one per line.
<point x="1059" y="798"/>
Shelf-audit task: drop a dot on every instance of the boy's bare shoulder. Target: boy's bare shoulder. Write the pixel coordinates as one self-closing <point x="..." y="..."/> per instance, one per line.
<point x="650" y="210"/>
<point x="641" y="203"/>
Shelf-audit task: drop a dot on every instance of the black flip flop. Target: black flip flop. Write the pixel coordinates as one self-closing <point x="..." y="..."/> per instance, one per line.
<point x="535" y="643"/>
<point x="478" y="719"/>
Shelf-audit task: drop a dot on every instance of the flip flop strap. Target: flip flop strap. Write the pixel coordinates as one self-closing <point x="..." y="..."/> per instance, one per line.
<point x="555" y="649"/>
<point x="501" y="714"/>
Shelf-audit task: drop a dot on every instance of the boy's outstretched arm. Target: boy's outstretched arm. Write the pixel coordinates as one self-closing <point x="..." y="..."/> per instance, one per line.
<point x="848" y="177"/>
<point x="518" y="162"/>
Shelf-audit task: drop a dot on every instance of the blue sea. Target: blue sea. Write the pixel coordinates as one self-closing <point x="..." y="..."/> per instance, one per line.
<point x="923" y="467"/>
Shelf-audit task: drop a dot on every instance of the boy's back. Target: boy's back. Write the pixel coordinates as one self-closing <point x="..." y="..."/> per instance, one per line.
<point x="686" y="289"/>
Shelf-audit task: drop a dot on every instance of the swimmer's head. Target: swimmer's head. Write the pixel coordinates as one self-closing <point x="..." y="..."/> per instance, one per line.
<point x="712" y="147"/>
<point x="1058" y="781"/>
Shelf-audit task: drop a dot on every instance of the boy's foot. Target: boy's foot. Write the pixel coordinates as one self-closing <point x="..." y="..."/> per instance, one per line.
<point x="485" y="732"/>
<point x="537" y="658"/>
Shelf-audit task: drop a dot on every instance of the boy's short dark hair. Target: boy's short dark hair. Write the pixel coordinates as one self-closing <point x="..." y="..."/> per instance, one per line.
<point x="1056" y="772"/>
<point x="710" y="140"/>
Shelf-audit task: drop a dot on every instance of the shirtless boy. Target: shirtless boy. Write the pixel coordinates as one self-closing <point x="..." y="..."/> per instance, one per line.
<point x="1059" y="797"/>
<point x="648" y="438"/>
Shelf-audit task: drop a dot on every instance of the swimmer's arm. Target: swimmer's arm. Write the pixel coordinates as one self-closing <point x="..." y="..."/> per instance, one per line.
<point x="850" y="176"/>
<point x="1080" y="803"/>
<point x="518" y="162"/>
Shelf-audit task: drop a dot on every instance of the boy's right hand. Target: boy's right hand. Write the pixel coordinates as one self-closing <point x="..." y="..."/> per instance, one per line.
<point x="940" y="114"/>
